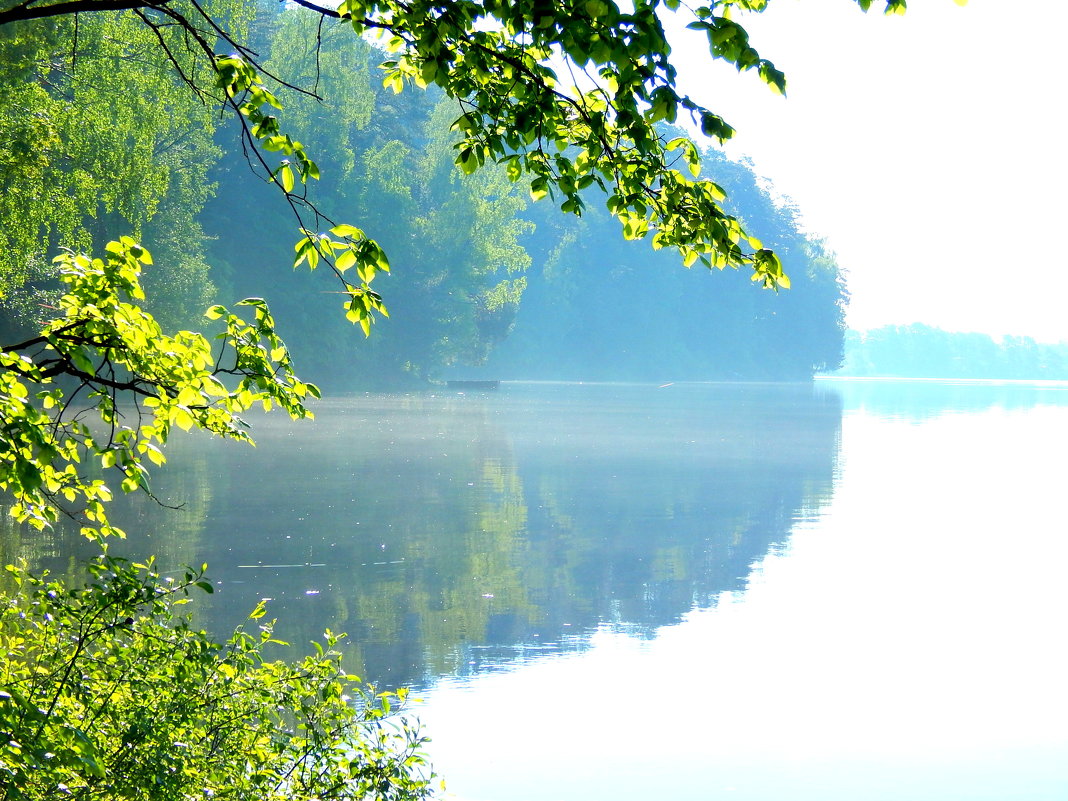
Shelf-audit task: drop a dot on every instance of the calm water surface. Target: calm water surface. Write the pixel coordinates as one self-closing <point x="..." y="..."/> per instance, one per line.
<point x="755" y="592"/>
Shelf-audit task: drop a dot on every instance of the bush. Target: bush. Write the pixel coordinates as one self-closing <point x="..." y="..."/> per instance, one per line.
<point x="107" y="692"/>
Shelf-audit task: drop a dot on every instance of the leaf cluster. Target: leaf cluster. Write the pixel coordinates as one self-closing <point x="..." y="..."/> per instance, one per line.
<point x="111" y="349"/>
<point x="243" y="85"/>
<point x="107" y="692"/>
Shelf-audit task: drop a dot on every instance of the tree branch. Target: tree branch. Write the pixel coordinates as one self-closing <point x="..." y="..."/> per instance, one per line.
<point x="25" y="12"/>
<point x="329" y="12"/>
<point x="326" y="12"/>
<point x="135" y="385"/>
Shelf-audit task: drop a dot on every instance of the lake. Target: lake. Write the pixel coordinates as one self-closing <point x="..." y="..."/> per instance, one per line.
<point x="845" y="590"/>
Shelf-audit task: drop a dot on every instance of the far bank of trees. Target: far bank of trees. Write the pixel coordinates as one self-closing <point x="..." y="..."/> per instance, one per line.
<point x="920" y="351"/>
<point x="618" y="311"/>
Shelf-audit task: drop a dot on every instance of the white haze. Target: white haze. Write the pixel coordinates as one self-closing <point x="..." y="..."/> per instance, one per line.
<point x="926" y="148"/>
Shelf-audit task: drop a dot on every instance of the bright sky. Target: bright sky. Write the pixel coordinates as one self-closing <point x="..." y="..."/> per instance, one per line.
<point x="927" y="149"/>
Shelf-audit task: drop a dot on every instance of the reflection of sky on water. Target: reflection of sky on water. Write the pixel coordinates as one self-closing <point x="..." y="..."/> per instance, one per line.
<point x="908" y="644"/>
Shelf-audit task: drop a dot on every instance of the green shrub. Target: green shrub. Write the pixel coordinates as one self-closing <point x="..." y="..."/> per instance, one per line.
<point x="107" y="692"/>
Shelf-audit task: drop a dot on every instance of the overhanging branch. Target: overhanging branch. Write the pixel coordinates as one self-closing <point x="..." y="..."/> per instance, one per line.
<point x="326" y="12"/>
<point x="26" y="11"/>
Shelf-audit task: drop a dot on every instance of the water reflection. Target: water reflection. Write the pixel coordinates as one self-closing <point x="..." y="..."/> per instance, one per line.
<point x="452" y="534"/>
<point x="903" y="645"/>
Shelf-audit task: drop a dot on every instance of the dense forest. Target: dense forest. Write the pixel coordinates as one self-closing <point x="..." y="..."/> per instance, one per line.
<point x="480" y="274"/>
<point x="920" y="351"/>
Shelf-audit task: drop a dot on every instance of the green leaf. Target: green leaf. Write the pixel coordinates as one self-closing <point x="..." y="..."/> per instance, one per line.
<point x="182" y="418"/>
<point x="346" y="230"/>
<point x="538" y="189"/>
<point x="29" y="476"/>
<point x="345" y="260"/>
<point x="82" y="361"/>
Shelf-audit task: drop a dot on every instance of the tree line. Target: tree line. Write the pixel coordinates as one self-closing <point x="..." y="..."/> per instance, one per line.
<point x="921" y="351"/>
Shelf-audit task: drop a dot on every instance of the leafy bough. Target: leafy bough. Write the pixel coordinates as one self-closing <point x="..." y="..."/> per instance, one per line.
<point x="105" y="348"/>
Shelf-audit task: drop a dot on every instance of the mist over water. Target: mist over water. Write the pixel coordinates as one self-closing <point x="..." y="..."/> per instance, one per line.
<point x="753" y="591"/>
